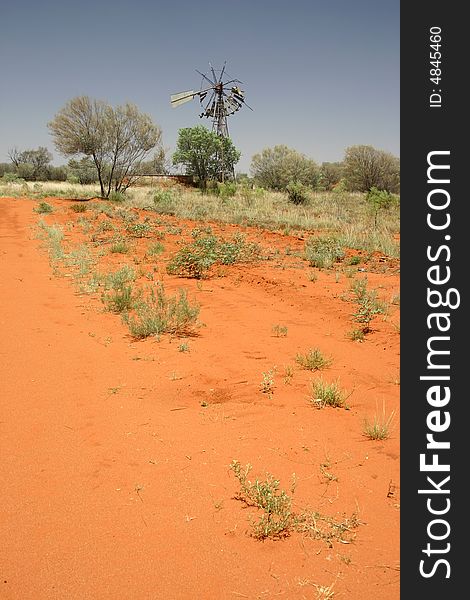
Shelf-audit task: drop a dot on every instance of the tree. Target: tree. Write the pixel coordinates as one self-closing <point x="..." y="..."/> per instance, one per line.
<point x="276" y="167"/>
<point x="205" y="155"/>
<point x="330" y="174"/>
<point x="366" y="167"/>
<point x="31" y="164"/>
<point x="83" y="171"/>
<point x="117" y="139"/>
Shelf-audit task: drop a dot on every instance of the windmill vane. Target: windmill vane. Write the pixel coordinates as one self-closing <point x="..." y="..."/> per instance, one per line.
<point x="219" y="96"/>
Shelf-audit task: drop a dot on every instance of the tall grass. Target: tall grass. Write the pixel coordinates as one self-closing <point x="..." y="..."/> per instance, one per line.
<point x="345" y="215"/>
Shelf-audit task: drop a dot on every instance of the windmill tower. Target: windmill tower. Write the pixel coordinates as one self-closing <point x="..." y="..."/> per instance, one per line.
<point x="219" y="96"/>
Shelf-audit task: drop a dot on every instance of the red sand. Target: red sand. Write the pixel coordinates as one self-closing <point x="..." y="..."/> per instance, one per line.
<point x="115" y="453"/>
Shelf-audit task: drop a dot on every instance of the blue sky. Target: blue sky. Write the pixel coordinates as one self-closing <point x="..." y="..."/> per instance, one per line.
<point x="321" y="75"/>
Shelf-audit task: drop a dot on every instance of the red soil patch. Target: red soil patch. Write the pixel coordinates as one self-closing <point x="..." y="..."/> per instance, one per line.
<point x="116" y="452"/>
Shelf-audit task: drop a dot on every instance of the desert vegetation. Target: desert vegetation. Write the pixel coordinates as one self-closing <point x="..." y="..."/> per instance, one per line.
<point x="235" y="305"/>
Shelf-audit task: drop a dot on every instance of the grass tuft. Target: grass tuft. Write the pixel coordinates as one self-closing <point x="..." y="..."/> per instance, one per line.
<point x="313" y="360"/>
<point x="159" y="314"/>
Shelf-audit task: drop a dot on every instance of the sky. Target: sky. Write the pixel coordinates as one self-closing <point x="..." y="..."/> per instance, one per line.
<point x="320" y="75"/>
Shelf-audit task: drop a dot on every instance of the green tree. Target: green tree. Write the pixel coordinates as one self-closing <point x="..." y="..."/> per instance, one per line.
<point x="330" y="175"/>
<point x="276" y="167"/>
<point x="205" y="155"/>
<point x="31" y="164"/>
<point x="117" y="139"/>
<point x="366" y="167"/>
<point x="83" y="170"/>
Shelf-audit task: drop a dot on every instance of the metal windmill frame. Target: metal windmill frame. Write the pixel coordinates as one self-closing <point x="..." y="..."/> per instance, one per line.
<point x="220" y="97"/>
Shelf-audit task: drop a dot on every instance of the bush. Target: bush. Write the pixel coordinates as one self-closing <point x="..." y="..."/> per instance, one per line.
<point x="195" y="259"/>
<point x="11" y="178"/>
<point x="227" y="189"/>
<point x="379" y="198"/>
<point x="159" y="314"/>
<point x="327" y="394"/>
<point x="297" y="193"/>
<point x="117" y="197"/>
<point x="276" y="520"/>
<point x="43" y="208"/>
<point x="313" y="360"/>
<point x="164" y="201"/>
<point x="323" y="251"/>
<point x="80" y="207"/>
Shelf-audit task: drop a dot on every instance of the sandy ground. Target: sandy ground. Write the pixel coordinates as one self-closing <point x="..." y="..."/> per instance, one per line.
<point x="115" y="453"/>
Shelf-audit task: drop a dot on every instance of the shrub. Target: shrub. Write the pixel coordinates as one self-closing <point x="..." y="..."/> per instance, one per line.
<point x="11" y="177"/>
<point x="226" y="190"/>
<point x="155" y="249"/>
<point x="117" y="197"/>
<point x="160" y="314"/>
<point x="119" y="300"/>
<point x="119" y="247"/>
<point x="195" y="259"/>
<point x="379" y="198"/>
<point x="120" y="278"/>
<point x="313" y="360"/>
<point x="43" y="208"/>
<point x="323" y="251"/>
<point x="279" y="330"/>
<point x="327" y="394"/>
<point x="368" y="304"/>
<point x="379" y="428"/>
<point x="276" y="520"/>
<point x="139" y="230"/>
<point x="297" y="193"/>
<point x="164" y="202"/>
<point x="80" y="207"/>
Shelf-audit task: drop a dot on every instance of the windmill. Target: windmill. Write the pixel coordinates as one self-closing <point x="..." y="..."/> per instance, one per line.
<point x="219" y="98"/>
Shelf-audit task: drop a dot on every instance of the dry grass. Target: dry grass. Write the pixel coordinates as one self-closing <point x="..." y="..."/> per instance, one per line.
<point x="345" y="215"/>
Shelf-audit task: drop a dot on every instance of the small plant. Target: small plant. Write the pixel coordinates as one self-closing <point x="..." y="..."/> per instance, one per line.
<point x="379" y="200"/>
<point x="276" y="520"/>
<point x="43" y="208"/>
<point x="356" y="335"/>
<point x="164" y="202"/>
<point x="80" y="207"/>
<point x="183" y="347"/>
<point x="379" y="427"/>
<point x="119" y="300"/>
<point x="353" y="260"/>
<point x="327" y="394"/>
<point x="324" y="592"/>
<point x="173" y="230"/>
<point x="312" y="276"/>
<point x="159" y="314"/>
<point x="368" y="304"/>
<point x="226" y="190"/>
<point x="297" y="193"/>
<point x="120" y="278"/>
<point x="288" y="374"/>
<point x="267" y="383"/>
<point x="323" y="251"/>
<point x="279" y="330"/>
<point x="117" y="197"/>
<point x="119" y="247"/>
<point x="155" y="249"/>
<point x="139" y="230"/>
<point x="313" y="360"/>
<point x="367" y="310"/>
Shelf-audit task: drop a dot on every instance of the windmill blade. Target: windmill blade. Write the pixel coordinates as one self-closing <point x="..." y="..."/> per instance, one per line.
<point x="213" y="73"/>
<point x="207" y="78"/>
<point x="182" y="97"/>
<point x="223" y="69"/>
